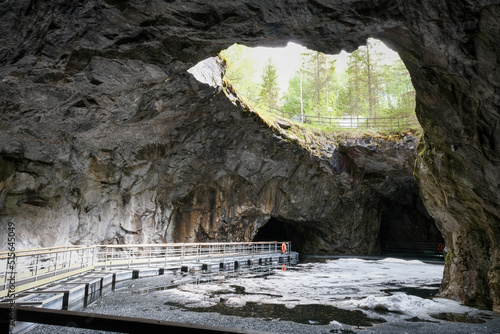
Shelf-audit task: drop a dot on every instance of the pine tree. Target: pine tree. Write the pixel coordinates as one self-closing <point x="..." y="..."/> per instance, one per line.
<point x="291" y="98"/>
<point x="269" y="90"/>
<point x="314" y="89"/>
<point x="398" y="92"/>
<point x="355" y="86"/>
<point x="365" y="82"/>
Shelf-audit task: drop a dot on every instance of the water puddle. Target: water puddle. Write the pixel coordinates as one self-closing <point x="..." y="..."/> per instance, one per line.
<point x="428" y="291"/>
<point x="305" y="314"/>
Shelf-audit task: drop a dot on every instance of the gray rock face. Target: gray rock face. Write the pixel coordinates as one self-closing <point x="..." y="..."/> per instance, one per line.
<point x="104" y="136"/>
<point x="196" y="167"/>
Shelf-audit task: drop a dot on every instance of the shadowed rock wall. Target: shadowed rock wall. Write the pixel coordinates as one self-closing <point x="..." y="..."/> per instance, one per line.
<point x="104" y="137"/>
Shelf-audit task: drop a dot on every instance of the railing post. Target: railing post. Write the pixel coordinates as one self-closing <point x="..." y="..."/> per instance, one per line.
<point x="83" y="258"/>
<point x="69" y="261"/>
<point x="6" y="273"/>
<point x="149" y="257"/>
<point x="55" y="266"/>
<point x="95" y="256"/>
<point x="36" y="267"/>
<point x="198" y="253"/>
<point x="106" y="258"/>
<point x="166" y="255"/>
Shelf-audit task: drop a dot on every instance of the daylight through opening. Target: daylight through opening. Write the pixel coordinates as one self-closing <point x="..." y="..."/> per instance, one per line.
<point x="363" y="92"/>
<point x="367" y="89"/>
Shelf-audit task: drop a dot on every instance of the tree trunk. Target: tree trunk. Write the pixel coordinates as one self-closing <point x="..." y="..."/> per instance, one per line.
<point x="368" y="67"/>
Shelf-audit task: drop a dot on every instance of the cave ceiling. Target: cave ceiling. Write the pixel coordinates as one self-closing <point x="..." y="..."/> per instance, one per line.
<point x="95" y="95"/>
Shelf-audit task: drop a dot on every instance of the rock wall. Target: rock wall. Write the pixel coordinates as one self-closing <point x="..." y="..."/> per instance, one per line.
<point x="105" y="137"/>
<point x="454" y="67"/>
<point x="176" y="160"/>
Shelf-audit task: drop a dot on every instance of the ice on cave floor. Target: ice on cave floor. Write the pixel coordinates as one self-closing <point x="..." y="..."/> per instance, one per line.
<point x="389" y="287"/>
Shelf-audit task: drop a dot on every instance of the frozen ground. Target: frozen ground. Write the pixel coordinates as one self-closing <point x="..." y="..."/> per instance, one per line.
<point x="344" y="295"/>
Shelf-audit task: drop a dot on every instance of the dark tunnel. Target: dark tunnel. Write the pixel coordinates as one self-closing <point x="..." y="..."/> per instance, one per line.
<point x="276" y="230"/>
<point x="403" y="229"/>
<point x="409" y="230"/>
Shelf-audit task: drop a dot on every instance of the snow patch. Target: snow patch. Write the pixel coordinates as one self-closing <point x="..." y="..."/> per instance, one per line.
<point x="399" y="302"/>
<point x="235" y="302"/>
<point x="336" y="325"/>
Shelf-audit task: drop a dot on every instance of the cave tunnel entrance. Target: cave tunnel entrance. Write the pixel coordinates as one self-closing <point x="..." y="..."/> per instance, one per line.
<point x="277" y="230"/>
<point x="406" y="229"/>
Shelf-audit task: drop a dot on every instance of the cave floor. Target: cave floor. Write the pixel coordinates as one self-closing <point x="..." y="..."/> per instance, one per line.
<point x="325" y="295"/>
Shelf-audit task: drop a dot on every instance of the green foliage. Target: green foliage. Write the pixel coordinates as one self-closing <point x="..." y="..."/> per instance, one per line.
<point x="398" y="92"/>
<point x="375" y="89"/>
<point x="241" y="70"/>
<point x="314" y="85"/>
<point x="368" y="91"/>
<point x="269" y="89"/>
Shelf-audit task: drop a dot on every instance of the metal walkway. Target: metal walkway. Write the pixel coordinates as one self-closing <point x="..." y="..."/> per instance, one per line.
<point x="36" y="267"/>
<point x="71" y="277"/>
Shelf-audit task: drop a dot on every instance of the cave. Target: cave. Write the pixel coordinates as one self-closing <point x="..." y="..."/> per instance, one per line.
<point x="97" y="106"/>
<point x="277" y="230"/>
<point x="404" y="230"/>
<point x="408" y="230"/>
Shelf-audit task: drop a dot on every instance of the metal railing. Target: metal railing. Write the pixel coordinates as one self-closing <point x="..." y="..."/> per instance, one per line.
<point x="165" y="254"/>
<point x="431" y="247"/>
<point x="35" y="267"/>
<point x="345" y="122"/>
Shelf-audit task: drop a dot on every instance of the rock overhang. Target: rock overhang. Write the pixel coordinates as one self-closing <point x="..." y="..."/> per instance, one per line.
<point x="51" y="48"/>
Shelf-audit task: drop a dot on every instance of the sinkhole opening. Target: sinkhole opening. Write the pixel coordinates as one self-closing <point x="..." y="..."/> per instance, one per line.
<point x="368" y="89"/>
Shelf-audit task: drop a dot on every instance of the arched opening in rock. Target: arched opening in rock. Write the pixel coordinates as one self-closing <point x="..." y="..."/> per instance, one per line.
<point x="369" y="94"/>
<point x="278" y="230"/>
<point x="409" y="229"/>
<point x="368" y="89"/>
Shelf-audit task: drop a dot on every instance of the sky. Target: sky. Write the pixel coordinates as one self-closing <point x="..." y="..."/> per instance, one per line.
<point x="287" y="59"/>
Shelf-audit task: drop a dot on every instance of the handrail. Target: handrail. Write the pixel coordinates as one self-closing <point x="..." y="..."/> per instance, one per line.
<point x="414" y="246"/>
<point x="189" y="244"/>
<point x="352" y="122"/>
<point x="50" y="250"/>
<point x="35" y="267"/>
<point x="36" y="251"/>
